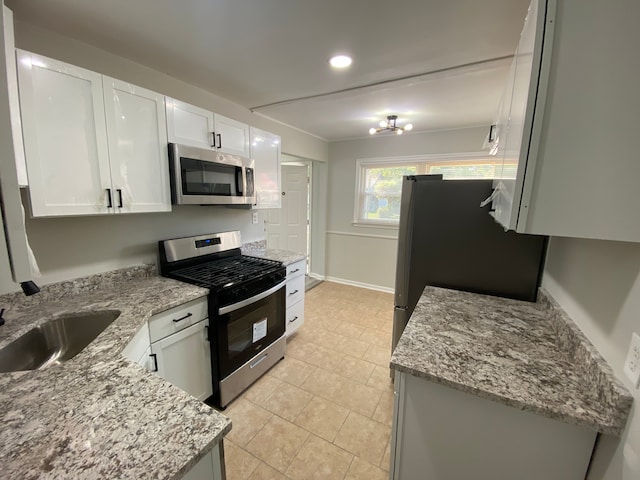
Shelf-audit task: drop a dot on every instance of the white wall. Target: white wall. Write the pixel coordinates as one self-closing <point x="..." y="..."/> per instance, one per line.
<point x="73" y="247"/>
<point x="598" y="285"/>
<point x="367" y="255"/>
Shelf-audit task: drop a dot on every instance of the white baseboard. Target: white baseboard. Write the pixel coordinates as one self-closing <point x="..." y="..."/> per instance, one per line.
<point x="316" y="276"/>
<point x="359" y="284"/>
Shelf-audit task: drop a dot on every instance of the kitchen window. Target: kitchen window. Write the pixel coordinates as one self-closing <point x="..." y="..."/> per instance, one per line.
<point x="379" y="180"/>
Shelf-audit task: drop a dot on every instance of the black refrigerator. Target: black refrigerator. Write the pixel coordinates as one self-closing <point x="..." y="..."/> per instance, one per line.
<point x="447" y="240"/>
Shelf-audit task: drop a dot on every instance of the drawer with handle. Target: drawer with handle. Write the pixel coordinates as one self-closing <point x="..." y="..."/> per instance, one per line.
<point x="296" y="269"/>
<point x="178" y="318"/>
<point x="294" y="317"/>
<point x="295" y="290"/>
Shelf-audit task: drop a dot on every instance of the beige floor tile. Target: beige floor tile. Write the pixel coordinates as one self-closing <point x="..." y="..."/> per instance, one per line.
<point x="247" y="420"/>
<point x="324" y="358"/>
<point x="351" y="346"/>
<point x="350" y="330"/>
<point x="358" y="397"/>
<point x="238" y="463"/>
<point x="363" y="437"/>
<point x="361" y="470"/>
<point x="355" y="369"/>
<point x="384" y="410"/>
<point x="319" y="460"/>
<point x="322" y="417"/>
<point x="287" y="401"/>
<point x="278" y="443"/>
<point x="385" y="464"/>
<point x="299" y="348"/>
<point x="292" y="370"/>
<point x="378" y="355"/>
<point x="265" y="472"/>
<point x="380" y="378"/>
<point x="376" y="337"/>
<point x="323" y="383"/>
<point x="260" y="391"/>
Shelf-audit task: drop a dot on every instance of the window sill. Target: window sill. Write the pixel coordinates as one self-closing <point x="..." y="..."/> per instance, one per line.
<point x="387" y="225"/>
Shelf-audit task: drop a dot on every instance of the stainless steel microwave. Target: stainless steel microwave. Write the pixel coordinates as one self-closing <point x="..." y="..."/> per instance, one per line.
<point x="206" y="177"/>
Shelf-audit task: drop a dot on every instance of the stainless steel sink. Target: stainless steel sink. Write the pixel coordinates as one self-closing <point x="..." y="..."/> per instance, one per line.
<point x="55" y="341"/>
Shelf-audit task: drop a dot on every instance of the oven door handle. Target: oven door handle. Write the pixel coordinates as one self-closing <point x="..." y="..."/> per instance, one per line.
<point x="249" y="301"/>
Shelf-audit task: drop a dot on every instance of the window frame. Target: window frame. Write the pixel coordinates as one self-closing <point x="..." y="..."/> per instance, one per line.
<point x="422" y="162"/>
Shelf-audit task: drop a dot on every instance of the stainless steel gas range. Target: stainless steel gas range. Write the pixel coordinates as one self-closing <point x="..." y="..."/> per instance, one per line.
<point x="246" y="306"/>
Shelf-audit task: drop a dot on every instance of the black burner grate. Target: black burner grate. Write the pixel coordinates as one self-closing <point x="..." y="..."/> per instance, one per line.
<point x="226" y="272"/>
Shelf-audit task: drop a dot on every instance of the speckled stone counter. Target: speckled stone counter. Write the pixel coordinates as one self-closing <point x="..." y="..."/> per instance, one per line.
<point x="99" y="415"/>
<point x="526" y="355"/>
<point x="260" y="250"/>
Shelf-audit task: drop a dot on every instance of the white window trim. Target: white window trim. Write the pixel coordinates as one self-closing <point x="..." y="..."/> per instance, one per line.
<point x="403" y="160"/>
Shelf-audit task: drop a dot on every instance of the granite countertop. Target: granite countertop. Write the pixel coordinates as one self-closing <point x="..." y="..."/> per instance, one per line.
<point x="260" y="250"/>
<point x="99" y="415"/>
<point x="526" y="355"/>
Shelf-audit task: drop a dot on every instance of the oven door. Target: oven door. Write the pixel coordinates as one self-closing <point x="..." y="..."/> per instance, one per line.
<point x="246" y="328"/>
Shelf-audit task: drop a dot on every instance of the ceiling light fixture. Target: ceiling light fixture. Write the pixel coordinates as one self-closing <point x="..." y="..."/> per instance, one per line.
<point x="340" y="61"/>
<point x="389" y="125"/>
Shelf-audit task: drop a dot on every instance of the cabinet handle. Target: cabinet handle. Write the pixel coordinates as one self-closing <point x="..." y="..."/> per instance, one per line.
<point x="154" y="357"/>
<point x="219" y="140"/>
<point x="213" y="139"/>
<point x="206" y="333"/>
<point x="119" y="190"/>
<point x="295" y="271"/>
<point x="176" y="320"/>
<point x="492" y="131"/>
<point x="293" y="293"/>
<point x="293" y="319"/>
<point x="109" y="202"/>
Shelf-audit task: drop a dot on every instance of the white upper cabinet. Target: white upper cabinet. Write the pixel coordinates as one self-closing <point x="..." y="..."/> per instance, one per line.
<point x="265" y="150"/>
<point x="65" y="137"/>
<point x="197" y="127"/>
<point x="189" y="125"/>
<point x="573" y="121"/>
<point x="231" y="136"/>
<point x="137" y="147"/>
<point x="93" y="145"/>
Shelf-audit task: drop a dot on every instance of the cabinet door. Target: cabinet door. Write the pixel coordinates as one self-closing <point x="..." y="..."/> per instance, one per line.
<point x="184" y="359"/>
<point x="189" y="125"/>
<point x="526" y="72"/>
<point x="65" y="137"/>
<point x="231" y="136"/>
<point x="14" y="102"/>
<point x="137" y="147"/>
<point x="265" y="151"/>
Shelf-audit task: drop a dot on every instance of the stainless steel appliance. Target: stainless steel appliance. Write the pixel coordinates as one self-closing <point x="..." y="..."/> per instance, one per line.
<point x="246" y="306"/>
<point x="206" y="177"/>
<point x="447" y="240"/>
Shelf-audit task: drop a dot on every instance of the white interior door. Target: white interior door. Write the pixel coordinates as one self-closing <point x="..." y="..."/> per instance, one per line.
<point x="287" y="227"/>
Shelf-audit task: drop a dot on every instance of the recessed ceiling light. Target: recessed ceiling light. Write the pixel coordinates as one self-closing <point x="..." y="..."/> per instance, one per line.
<point x="340" y="61"/>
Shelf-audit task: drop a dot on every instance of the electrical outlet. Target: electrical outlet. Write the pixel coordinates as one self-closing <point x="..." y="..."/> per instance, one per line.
<point x="632" y="364"/>
<point x="255" y="218"/>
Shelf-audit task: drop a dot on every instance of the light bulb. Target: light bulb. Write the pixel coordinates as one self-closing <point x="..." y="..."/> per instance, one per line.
<point x="399" y="131"/>
<point x="340" y="61"/>
<point x="383" y="124"/>
<point x="372" y="131"/>
<point x="408" y="127"/>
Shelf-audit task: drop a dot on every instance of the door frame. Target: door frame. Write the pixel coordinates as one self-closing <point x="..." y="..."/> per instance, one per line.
<point x="303" y="162"/>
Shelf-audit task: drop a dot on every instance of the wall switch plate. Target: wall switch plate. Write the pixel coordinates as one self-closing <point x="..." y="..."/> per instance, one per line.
<point x="632" y="364"/>
<point x="254" y="218"/>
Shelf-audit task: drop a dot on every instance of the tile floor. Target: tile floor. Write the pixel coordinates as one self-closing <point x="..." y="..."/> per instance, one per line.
<point x="324" y="412"/>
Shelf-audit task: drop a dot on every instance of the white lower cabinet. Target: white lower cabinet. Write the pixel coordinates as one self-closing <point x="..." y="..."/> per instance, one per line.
<point x="210" y="467"/>
<point x="440" y="433"/>
<point x="295" y="296"/>
<point x="184" y="359"/>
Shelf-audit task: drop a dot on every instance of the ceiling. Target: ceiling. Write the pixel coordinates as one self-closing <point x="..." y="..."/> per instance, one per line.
<point x="442" y="54"/>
